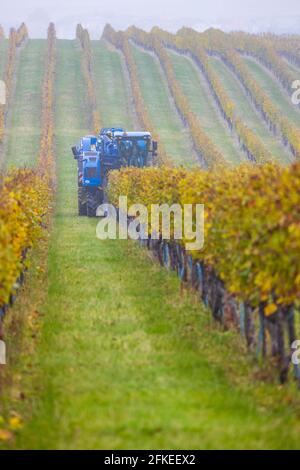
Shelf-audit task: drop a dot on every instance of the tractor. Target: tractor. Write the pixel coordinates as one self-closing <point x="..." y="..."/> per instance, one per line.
<point x="96" y="156"/>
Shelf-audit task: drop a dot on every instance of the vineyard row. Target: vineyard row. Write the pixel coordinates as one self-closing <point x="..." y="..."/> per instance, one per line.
<point x="26" y="196"/>
<point x="250" y="264"/>
<point x="16" y="39"/>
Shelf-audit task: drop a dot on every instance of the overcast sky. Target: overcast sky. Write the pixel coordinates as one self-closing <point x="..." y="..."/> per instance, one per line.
<point x="281" y="16"/>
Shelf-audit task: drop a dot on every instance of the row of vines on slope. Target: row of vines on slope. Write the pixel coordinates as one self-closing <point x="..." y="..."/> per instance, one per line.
<point x="216" y="42"/>
<point x="202" y="142"/>
<point x="16" y="39"/>
<point x="25" y="197"/>
<point x="249" y="269"/>
<point x="83" y="37"/>
<point x="120" y="41"/>
<point x="286" y="46"/>
<point x="249" y="142"/>
<point x="2" y="36"/>
<point x="46" y="158"/>
<point x="265" y="52"/>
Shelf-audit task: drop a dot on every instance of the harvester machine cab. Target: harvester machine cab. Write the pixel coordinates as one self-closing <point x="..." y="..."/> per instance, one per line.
<point x="91" y="169"/>
<point x="86" y="155"/>
<point x="135" y="149"/>
<point x="112" y="130"/>
<point x="86" y="144"/>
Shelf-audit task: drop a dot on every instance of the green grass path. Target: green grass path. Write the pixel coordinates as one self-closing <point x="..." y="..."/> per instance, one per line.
<point x="110" y="86"/>
<point x="165" y="121"/>
<point x="126" y="360"/>
<point x="24" y="123"/>
<point x="3" y="56"/>
<point x="201" y="102"/>
<point x="292" y="67"/>
<point x="246" y="111"/>
<point x="274" y="90"/>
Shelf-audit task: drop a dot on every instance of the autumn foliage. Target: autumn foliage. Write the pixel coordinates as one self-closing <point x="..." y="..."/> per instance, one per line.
<point x="24" y="200"/>
<point x="265" y="51"/>
<point x="252" y="236"/>
<point x="83" y="37"/>
<point x="286" y="46"/>
<point x="25" y="195"/>
<point x="46" y="159"/>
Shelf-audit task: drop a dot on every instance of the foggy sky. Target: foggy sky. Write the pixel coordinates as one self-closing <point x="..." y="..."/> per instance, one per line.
<point x="280" y="16"/>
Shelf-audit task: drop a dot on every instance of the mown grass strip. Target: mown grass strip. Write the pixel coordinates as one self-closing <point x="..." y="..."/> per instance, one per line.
<point x="110" y="86"/>
<point x="3" y="56"/>
<point x="24" y="126"/>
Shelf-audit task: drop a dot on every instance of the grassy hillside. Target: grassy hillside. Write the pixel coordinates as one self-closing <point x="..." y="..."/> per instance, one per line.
<point x="165" y="120"/>
<point x="197" y="91"/>
<point x="274" y="90"/>
<point x="24" y="120"/>
<point x="111" y="88"/>
<point x="246" y="111"/>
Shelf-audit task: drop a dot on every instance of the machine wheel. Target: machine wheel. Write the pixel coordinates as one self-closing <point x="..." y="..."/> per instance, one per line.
<point x="92" y="204"/>
<point x="82" y="205"/>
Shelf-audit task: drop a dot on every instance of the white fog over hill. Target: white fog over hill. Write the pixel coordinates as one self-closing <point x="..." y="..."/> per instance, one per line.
<point x="248" y="15"/>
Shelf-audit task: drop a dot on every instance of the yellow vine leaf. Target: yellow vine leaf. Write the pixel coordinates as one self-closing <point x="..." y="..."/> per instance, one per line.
<point x="15" y="423"/>
<point x="270" y="309"/>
